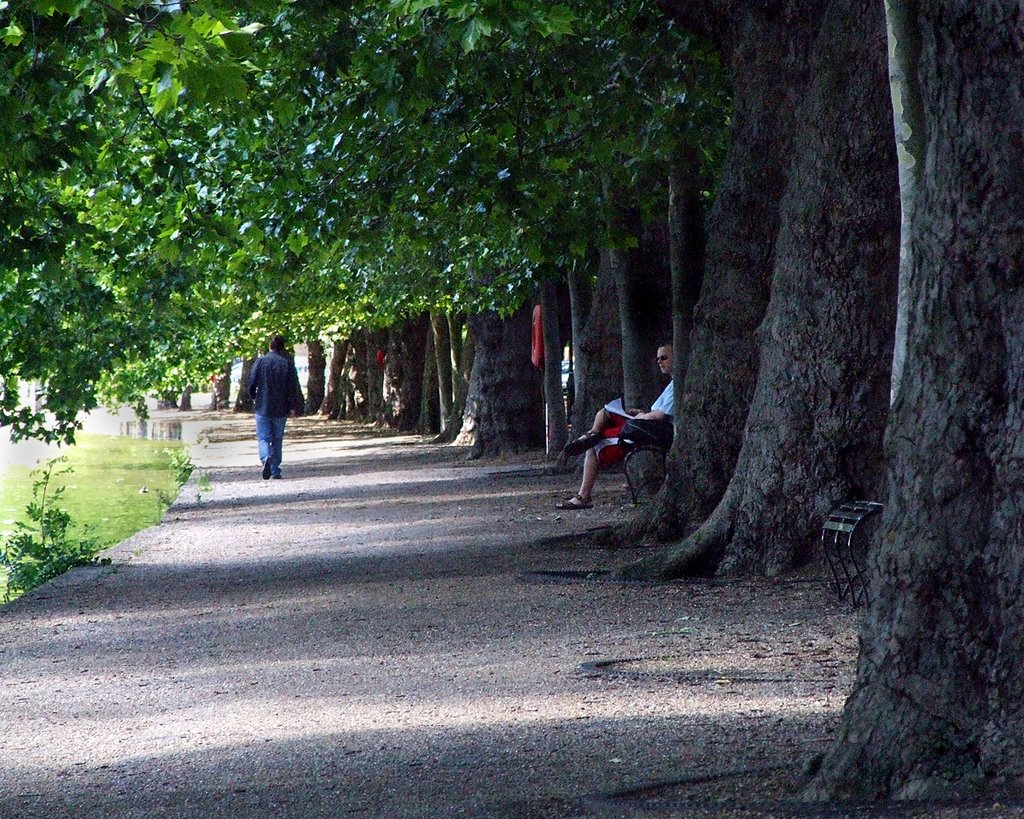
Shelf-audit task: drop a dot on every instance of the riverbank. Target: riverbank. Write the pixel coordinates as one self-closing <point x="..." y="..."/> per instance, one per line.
<point x="392" y="631"/>
<point x="121" y="479"/>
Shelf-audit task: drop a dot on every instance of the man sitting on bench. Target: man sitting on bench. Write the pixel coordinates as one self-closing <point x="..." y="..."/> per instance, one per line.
<point x="601" y="441"/>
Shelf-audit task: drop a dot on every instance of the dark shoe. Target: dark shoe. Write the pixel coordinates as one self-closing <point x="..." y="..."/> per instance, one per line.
<point x="582" y="444"/>
<point x="276" y="477"/>
<point x="266" y="469"/>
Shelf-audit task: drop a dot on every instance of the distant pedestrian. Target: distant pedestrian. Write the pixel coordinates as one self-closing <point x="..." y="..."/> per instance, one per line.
<point x="274" y="388"/>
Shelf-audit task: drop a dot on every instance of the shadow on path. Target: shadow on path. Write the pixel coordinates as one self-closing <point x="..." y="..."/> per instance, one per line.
<point x="359" y="638"/>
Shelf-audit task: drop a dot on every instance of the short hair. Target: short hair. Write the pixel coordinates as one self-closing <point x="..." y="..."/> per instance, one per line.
<point x="665" y="344"/>
<point x="277" y="344"/>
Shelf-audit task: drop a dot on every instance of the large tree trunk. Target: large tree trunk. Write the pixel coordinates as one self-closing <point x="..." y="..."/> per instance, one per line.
<point x="813" y="434"/>
<point x="908" y="122"/>
<point x="597" y="364"/>
<point x="580" y="291"/>
<point x="462" y="427"/>
<point x="937" y="705"/>
<point x="403" y="373"/>
<point x="222" y="389"/>
<point x="430" y="399"/>
<point x="376" y="342"/>
<point x="185" y="399"/>
<point x="332" y="404"/>
<point x="768" y="65"/>
<point x="554" y="404"/>
<point x="643" y="286"/>
<point x="316" y="381"/>
<point x="504" y="407"/>
<point x="355" y="384"/>
<point x="686" y="250"/>
<point x="445" y="364"/>
<point x="243" y="403"/>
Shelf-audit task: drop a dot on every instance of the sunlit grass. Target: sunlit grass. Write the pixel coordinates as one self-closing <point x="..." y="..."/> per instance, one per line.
<point x="118" y="486"/>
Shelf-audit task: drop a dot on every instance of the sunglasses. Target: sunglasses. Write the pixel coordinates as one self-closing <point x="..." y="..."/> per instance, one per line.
<point x="662" y="358"/>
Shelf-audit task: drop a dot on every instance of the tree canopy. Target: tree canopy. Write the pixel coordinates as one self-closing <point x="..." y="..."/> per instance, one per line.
<point x="181" y="179"/>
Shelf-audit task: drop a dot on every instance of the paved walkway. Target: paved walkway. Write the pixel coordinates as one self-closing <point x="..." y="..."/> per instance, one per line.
<point x="362" y="638"/>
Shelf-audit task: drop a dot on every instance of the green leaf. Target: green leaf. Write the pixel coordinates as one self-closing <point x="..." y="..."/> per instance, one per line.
<point x="557" y="20"/>
<point x="475" y="30"/>
<point x="13" y="34"/>
<point x="416" y="6"/>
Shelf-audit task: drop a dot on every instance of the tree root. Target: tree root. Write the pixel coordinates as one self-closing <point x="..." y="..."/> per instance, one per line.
<point x="696" y="556"/>
<point x="660" y="521"/>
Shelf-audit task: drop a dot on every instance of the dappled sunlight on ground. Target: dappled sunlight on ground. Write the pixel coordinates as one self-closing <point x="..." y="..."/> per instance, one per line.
<point x="363" y="636"/>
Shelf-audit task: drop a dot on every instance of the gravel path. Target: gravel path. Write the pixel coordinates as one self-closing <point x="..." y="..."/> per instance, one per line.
<point x="374" y="635"/>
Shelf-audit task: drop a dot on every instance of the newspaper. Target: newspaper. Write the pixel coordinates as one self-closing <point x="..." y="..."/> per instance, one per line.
<point x="616" y="408"/>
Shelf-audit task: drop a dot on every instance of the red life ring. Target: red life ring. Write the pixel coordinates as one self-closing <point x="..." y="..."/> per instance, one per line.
<point x="537" y="346"/>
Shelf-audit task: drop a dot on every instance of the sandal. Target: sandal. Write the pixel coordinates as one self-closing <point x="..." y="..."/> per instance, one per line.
<point x="582" y="444"/>
<point x="575" y="502"/>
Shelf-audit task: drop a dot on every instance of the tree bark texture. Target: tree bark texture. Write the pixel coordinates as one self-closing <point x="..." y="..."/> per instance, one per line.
<point x="375" y="341"/>
<point x="430" y="400"/>
<point x="554" y="405"/>
<point x="597" y="363"/>
<point x="243" y="403"/>
<point x="355" y="381"/>
<point x="185" y="400"/>
<point x="403" y="373"/>
<point x="222" y="389"/>
<point x="316" y="382"/>
<point x="908" y="123"/>
<point x="331" y="406"/>
<point x="686" y="250"/>
<point x="505" y="402"/>
<point x="769" y="66"/>
<point x="445" y="364"/>
<point x="813" y="432"/>
<point x="463" y="352"/>
<point x="580" y="290"/>
<point x="938" y="705"/>
<point x="643" y="286"/>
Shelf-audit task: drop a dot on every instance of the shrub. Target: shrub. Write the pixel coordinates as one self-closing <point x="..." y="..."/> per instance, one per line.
<point x="180" y="464"/>
<point x="43" y="548"/>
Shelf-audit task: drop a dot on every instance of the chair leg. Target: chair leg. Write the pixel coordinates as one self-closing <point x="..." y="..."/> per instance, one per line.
<point x="629" y="478"/>
<point x="633" y="488"/>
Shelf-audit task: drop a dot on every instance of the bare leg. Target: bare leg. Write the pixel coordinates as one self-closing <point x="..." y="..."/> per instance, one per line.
<point x="590" y="468"/>
<point x="600" y="421"/>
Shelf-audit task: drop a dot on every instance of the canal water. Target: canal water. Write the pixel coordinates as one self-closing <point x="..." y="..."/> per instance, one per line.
<point x="121" y="479"/>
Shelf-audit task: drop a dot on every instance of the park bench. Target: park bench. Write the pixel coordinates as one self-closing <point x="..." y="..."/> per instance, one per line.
<point x="844" y="556"/>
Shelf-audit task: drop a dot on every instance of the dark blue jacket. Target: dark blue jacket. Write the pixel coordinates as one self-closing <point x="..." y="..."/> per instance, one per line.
<point x="274" y="386"/>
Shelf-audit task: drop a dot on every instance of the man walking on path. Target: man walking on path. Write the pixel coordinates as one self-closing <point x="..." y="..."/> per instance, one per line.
<point x="274" y="387"/>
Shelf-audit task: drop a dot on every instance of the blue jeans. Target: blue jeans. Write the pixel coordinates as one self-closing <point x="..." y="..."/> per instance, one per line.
<point x="270" y="435"/>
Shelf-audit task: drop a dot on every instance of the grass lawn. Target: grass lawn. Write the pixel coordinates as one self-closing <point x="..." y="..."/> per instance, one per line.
<point x="104" y="493"/>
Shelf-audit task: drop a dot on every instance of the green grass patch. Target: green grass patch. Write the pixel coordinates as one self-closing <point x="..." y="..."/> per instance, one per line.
<point x="118" y="486"/>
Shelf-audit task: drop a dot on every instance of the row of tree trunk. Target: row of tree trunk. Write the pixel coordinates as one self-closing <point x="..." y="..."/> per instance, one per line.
<point x="411" y="377"/>
<point x="787" y="303"/>
<point x="806" y="304"/>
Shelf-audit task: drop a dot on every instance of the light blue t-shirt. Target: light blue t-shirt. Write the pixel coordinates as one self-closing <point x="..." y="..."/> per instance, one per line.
<point x="664" y="402"/>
